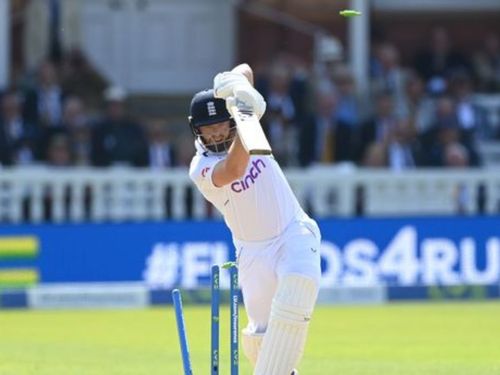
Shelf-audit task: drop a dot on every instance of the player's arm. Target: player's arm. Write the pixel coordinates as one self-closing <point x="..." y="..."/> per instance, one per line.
<point x="234" y="165"/>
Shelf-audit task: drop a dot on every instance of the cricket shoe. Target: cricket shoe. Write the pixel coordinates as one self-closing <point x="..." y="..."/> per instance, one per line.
<point x="294" y="372"/>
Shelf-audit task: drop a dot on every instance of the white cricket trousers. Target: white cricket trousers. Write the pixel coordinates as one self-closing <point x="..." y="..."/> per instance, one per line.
<point x="263" y="263"/>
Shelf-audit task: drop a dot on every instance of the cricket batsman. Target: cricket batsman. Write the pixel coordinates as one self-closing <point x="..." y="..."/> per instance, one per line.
<point x="277" y="244"/>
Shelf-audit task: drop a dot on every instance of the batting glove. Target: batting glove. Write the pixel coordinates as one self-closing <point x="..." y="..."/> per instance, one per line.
<point x="224" y="83"/>
<point x="248" y="96"/>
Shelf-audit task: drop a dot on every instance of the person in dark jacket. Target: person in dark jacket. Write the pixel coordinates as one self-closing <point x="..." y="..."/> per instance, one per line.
<point x="117" y="139"/>
<point x="324" y="138"/>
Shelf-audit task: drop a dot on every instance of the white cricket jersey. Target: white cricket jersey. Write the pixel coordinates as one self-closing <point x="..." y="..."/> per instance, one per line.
<point x="257" y="207"/>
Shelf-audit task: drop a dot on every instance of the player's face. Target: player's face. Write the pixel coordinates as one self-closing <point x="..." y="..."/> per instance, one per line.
<point x="215" y="133"/>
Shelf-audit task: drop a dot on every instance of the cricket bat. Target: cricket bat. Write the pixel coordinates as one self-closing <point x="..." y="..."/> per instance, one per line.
<point x="250" y="131"/>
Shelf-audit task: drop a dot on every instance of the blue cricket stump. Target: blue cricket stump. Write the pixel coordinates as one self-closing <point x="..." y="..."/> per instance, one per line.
<point x="214" y="352"/>
<point x="233" y="292"/>
<point x="181" y="329"/>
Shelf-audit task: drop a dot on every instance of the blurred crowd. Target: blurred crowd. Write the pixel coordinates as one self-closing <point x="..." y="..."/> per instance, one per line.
<point x="67" y="114"/>
<point x="418" y="115"/>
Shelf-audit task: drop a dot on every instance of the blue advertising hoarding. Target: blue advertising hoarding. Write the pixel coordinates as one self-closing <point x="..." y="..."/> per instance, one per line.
<point x="355" y="252"/>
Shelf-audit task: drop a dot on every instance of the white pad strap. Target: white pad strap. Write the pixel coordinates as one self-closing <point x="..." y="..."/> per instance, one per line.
<point x="251" y="343"/>
<point x="286" y="334"/>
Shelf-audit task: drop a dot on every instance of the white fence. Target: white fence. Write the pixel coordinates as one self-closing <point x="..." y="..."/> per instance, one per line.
<point x="75" y="195"/>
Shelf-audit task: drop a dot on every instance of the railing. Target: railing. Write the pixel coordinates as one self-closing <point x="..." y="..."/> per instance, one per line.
<point x="42" y="194"/>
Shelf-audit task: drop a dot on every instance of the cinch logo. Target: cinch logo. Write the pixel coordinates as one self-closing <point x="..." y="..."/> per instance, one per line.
<point x="211" y="109"/>
<point x="249" y="179"/>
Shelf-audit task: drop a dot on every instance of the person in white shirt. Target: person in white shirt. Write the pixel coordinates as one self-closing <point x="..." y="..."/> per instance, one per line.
<point x="277" y="244"/>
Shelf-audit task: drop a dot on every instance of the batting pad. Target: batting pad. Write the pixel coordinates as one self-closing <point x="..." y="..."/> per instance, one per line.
<point x="251" y="343"/>
<point x="285" y="338"/>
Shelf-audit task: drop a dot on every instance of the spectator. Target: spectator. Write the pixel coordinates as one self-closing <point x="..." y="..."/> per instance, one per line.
<point x="445" y="131"/>
<point x="444" y="118"/>
<point x="299" y="89"/>
<point x="399" y="151"/>
<point x="74" y="125"/>
<point x="461" y="90"/>
<point x="78" y="130"/>
<point x="59" y="151"/>
<point x="402" y="147"/>
<point x="17" y="136"/>
<point x="44" y="102"/>
<point x="471" y="119"/>
<point x="80" y="78"/>
<point x="487" y="65"/>
<point x="378" y="127"/>
<point x="116" y="139"/>
<point x="349" y="110"/>
<point x="471" y="125"/>
<point x="161" y="148"/>
<point x="329" y="54"/>
<point x="437" y="62"/>
<point x="416" y="105"/>
<point x="390" y="76"/>
<point x="280" y="118"/>
<point x="297" y="75"/>
<point x="323" y="137"/>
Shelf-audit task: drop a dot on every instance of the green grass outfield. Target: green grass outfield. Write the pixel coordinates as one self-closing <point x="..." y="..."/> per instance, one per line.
<point x="396" y="339"/>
